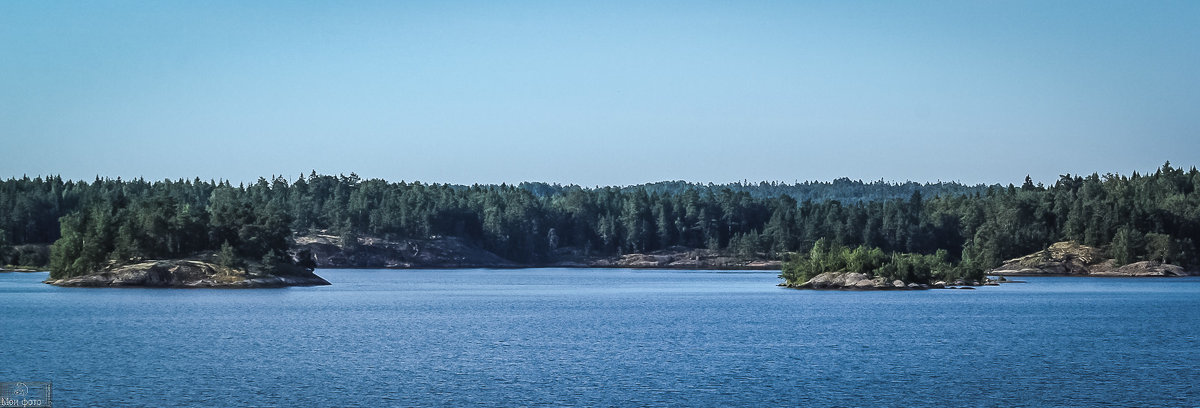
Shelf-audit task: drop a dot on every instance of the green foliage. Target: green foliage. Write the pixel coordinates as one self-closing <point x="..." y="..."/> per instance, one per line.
<point x="31" y="255"/>
<point x="828" y="256"/>
<point x="227" y="257"/>
<point x="1126" y="245"/>
<point x="1161" y="248"/>
<point x="347" y="237"/>
<point x="28" y="255"/>
<point x="916" y="267"/>
<point x="748" y="246"/>
<point x="306" y="260"/>
<point x="274" y="262"/>
<point x="83" y="247"/>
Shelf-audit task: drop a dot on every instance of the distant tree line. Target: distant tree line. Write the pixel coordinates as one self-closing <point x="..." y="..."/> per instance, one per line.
<point x="842" y="189"/>
<point x="1154" y="216"/>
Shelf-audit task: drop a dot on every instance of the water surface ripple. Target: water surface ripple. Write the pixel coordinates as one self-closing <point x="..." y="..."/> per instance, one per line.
<point x="605" y="337"/>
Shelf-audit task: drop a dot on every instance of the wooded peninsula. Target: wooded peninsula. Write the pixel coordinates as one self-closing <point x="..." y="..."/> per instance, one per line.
<point x="911" y="232"/>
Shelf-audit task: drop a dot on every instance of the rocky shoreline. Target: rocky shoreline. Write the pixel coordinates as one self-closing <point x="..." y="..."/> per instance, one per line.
<point x="327" y="251"/>
<point x="855" y="281"/>
<point x="190" y="274"/>
<point x="451" y="252"/>
<point x="1073" y="259"/>
<point x="3" y="269"/>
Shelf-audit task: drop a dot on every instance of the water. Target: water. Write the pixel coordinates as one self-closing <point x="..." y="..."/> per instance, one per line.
<point x="603" y="337"/>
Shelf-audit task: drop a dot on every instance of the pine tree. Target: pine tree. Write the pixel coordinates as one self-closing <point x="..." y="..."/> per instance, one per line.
<point x="227" y="257"/>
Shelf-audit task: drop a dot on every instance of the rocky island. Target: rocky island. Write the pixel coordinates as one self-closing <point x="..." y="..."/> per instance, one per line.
<point x="236" y="240"/>
<point x="864" y="281"/>
<point x="831" y="266"/>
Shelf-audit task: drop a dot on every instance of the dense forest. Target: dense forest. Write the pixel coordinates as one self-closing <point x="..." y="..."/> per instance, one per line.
<point x="1153" y="216"/>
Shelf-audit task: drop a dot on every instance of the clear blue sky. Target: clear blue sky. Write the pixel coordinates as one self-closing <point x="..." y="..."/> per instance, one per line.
<point x="599" y="92"/>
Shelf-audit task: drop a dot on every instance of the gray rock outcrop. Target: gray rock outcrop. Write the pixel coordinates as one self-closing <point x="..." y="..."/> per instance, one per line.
<point x="1071" y="258"/>
<point x="853" y="281"/>
<point x="190" y="274"/>
<point x="1144" y="268"/>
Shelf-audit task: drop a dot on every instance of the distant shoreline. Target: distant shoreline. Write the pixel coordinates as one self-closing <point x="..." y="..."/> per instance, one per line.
<point x="663" y="268"/>
<point x="329" y="251"/>
<point x="1071" y="275"/>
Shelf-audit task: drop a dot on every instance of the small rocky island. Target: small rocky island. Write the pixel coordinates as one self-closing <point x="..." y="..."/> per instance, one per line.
<point x="863" y="281"/>
<point x="191" y="273"/>
<point x="831" y="267"/>
<point x="236" y="238"/>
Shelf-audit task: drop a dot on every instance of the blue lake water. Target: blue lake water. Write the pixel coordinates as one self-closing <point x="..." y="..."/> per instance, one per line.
<point x="605" y="337"/>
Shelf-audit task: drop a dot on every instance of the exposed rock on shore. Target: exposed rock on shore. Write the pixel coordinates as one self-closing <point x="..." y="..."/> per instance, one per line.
<point x="670" y="258"/>
<point x="191" y="274"/>
<point x="1071" y="258"/>
<point x="862" y="281"/>
<point x="1144" y="268"/>
<point x="856" y="281"/>
<point x="451" y="252"/>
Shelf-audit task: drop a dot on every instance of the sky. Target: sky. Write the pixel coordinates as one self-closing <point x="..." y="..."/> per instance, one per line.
<point x="599" y="92"/>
